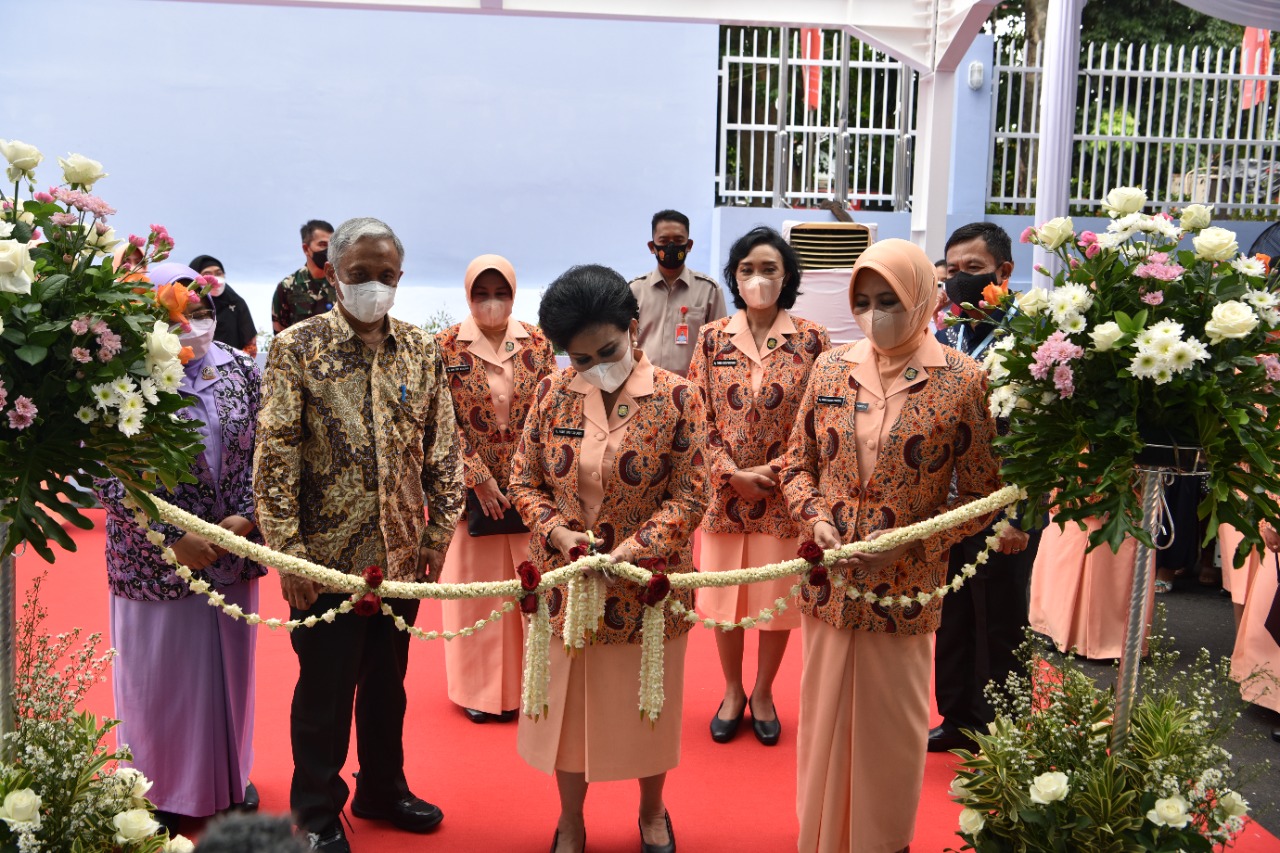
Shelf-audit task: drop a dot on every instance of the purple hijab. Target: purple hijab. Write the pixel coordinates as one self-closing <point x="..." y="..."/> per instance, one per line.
<point x="200" y="375"/>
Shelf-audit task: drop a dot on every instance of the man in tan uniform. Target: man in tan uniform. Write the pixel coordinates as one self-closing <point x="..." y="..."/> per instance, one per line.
<point x="675" y="302"/>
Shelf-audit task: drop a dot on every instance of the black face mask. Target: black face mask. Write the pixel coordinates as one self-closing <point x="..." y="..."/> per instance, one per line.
<point x="967" y="287"/>
<point x="320" y="258"/>
<point x="672" y="255"/>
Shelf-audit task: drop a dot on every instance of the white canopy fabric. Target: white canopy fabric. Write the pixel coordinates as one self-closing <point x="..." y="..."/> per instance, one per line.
<point x="1264" y="14"/>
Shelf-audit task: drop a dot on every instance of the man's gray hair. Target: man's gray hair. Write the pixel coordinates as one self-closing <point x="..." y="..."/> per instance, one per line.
<point x="360" y="228"/>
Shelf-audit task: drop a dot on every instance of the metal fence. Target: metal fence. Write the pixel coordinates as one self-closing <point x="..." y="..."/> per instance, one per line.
<point x="846" y="132"/>
<point x="1186" y="124"/>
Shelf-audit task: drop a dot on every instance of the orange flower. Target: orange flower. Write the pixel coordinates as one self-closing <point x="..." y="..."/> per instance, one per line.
<point x="186" y="354"/>
<point x="993" y="293"/>
<point x="174" y="298"/>
<point x="1266" y="260"/>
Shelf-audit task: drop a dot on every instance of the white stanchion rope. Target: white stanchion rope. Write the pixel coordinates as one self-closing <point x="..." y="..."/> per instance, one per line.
<point x="584" y="599"/>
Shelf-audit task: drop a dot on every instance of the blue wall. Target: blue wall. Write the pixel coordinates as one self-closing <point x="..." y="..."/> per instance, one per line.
<point x="551" y="141"/>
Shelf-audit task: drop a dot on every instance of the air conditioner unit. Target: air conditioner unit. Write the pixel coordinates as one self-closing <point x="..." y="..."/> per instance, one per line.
<point x="830" y="245"/>
<point x="827" y="253"/>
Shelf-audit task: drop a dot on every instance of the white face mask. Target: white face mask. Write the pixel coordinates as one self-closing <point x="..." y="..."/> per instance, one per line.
<point x="368" y="301"/>
<point x="200" y="338"/>
<point x="491" y="313"/>
<point x="760" y="292"/>
<point x="219" y="285"/>
<point x="608" y="376"/>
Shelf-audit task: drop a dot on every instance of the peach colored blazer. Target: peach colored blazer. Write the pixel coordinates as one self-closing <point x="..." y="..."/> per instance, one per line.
<point x="944" y="428"/>
<point x="487" y="448"/>
<point x="656" y="492"/>
<point x="752" y="399"/>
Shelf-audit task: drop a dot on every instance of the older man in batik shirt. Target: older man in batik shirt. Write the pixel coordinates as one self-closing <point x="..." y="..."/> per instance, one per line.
<point x="356" y="435"/>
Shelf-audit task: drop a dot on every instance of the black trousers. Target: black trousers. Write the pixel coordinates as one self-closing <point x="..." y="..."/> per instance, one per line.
<point x="358" y="660"/>
<point x="982" y="626"/>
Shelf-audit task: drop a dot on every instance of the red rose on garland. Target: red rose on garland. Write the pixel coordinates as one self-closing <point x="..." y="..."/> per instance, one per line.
<point x="656" y="590"/>
<point x="577" y="552"/>
<point x="373" y="577"/>
<point x="812" y="552"/>
<point x="529" y="576"/>
<point x="529" y="604"/>
<point x="369" y="605"/>
<point x="657" y="565"/>
<point x="818" y="576"/>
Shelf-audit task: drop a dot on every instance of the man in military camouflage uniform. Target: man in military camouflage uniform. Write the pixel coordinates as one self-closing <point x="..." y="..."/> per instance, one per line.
<point x="305" y="293"/>
<point x="675" y="302"/>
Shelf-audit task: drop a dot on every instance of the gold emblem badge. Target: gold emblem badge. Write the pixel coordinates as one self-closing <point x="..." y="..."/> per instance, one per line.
<point x="510" y="346"/>
<point x="912" y="373"/>
<point x="623" y="411"/>
<point x="771" y="343"/>
<point x="208" y="372"/>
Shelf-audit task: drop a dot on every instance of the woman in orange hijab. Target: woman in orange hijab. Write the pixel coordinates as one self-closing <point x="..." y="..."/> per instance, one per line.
<point x="494" y="364"/>
<point x="885" y="424"/>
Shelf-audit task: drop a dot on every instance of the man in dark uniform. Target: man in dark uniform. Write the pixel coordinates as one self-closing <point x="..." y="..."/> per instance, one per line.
<point x="983" y="624"/>
<point x="305" y="293"/>
<point x="675" y="302"/>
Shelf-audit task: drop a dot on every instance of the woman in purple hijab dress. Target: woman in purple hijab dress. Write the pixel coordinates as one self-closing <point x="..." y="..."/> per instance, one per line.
<point x="184" y="671"/>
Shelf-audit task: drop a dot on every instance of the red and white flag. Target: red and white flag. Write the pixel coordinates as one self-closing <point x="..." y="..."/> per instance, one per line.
<point x="1255" y="58"/>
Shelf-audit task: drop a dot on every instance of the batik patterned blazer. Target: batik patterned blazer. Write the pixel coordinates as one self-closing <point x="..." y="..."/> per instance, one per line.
<point x="746" y="428"/>
<point x="654" y="497"/>
<point x="944" y="427"/>
<point x="486" y="448"/>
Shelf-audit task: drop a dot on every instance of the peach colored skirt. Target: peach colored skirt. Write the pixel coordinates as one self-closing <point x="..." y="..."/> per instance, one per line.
<point x="860" y="745"/>
<point x="726" y="551"/>
<point x="1235" y="581"/>
<point x="593" y="724"/>
<point x="1081" y="600"/>
<point x="483" y="670"/>
<point x="1256" y="651"/>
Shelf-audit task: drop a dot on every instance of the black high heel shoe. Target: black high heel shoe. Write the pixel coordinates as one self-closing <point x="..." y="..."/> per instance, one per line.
<point x="767" y="731"/>
<point x="670" y="846"/>
<point x="723" y="731"/>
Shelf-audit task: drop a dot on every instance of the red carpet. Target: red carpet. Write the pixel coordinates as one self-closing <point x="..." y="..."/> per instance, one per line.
<point x="738" y="797"/>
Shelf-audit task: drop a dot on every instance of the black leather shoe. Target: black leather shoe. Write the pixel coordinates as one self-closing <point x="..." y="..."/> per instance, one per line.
<point x="767" y="731"/>
<point x="331" y="839"/>
<point x="476" y="716"/>
<point x="670" y="846"/>
<point x="505" y="716"/>
<point x="250" y="802"/>
<point x="410" y="813"/>
<point x="947" y="737"/>
<point x="1275" y="735"/>
<point x="723" y="731"/>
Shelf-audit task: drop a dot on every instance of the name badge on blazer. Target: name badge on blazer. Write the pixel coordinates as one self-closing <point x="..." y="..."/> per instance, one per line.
<point x="568" y="432"/>
<point x="725" y="362"/>
<point x="861" y="407"/>
<point x="831" y="401"/>
<point x="458" y="368"/>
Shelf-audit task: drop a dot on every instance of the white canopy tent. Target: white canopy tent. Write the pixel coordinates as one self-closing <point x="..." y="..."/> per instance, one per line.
<point x="930" y="36"/>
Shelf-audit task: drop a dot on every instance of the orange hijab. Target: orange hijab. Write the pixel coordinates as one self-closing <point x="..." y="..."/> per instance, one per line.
<point x="911" y="275"/>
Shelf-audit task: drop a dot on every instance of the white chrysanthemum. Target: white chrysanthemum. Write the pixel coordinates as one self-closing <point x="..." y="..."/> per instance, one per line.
<point x="1249" y="266"/>
<point x="132" y="404"/>
<point x="104" y="396"/>
<point x="994" y="362"/>
<point x="1111" y="239"/>
<point x="1167" y="228"/>
<point x="1162" y="376"/>
<point x="1005" y="344"/>
<point x="123" y="386"/>
<point x="147" y="388"/>
<point x="85" y="415"/>
<point x="1166" y="330"/>
<point x="169" y="377"/>
<point x="1181" y="357"/>
<point x="1260" y="298"/>
<point x="1075" y="324"/>
<point x="130" y="424"/>
<point x="1004" y="400"/>
<point x="1144" y="365"/>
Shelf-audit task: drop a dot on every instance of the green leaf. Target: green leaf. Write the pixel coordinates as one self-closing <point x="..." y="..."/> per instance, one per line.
<point x="32" y="354"/>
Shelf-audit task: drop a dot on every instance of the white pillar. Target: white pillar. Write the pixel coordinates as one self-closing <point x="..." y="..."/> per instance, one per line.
<point x="1057" y="117"/>
<point x="935" y="111"/>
